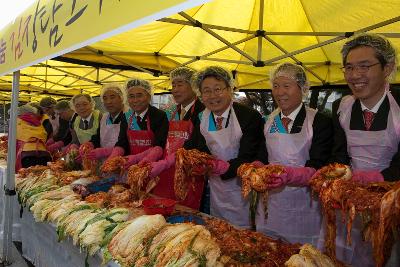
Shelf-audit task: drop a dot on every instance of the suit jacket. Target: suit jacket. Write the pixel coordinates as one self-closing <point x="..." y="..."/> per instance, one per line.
<point x="158" y="124"/>
<point x="251" y="124"/>
<point x="321" y="142"/>
<point x="339" y="150"/>
<point x="194" y="117"/>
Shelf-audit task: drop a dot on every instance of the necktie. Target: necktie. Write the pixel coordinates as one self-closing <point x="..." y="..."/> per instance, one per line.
<point x="285" y="122"/>
<point x="368" y="118"/>
<point x="219" y="123"/>
<point x="139" y="119"/>
<point x="85" y="124"/>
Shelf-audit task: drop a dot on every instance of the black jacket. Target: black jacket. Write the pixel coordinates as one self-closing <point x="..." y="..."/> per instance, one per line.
<point x="339" y="150"/>
<point x="158" y="124"/>
<point x="321" y="142"/>
<point x="251" y="124"/>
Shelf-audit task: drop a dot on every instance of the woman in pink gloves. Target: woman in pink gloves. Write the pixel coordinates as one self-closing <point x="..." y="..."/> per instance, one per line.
<point x="143" y="128"/>
<point x="300" y="139"/>
<point x="112" y="96"/>
<point x="181" y="121"/>
<point x="367" y="125"/>
<point x="229" y="131"/>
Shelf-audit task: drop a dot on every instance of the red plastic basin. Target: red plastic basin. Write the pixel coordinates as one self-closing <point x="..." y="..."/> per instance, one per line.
<point x="163" y="206"/>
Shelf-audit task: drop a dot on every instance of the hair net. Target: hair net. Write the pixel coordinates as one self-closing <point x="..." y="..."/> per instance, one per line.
<point x="291" y="71"/>
<point x="26" y="109"/>
<point x="385" y="52"/>
<point x="47" y="102"/>
<point x="115" y="87"/>
<point x="62" y="105"/>
<point x="136" y="82"/>
<point x="87" y="96"/>
<point x="213" y="71"/>
<point x="183" y="73"/>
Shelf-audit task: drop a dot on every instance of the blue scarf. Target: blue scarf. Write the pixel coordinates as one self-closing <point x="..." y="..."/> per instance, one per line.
<point x="277" y="126"/>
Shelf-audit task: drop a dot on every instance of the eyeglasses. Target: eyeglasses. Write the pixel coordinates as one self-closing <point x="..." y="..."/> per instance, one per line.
<point x="209" y="91"/>
<point x="363" y="68"/>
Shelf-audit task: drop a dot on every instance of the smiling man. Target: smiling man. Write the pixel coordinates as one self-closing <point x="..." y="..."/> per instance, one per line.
<point x="367" y="127"/>
<point x="299" y="139"/>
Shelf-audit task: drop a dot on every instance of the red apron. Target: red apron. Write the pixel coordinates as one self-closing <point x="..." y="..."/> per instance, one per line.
<point x="179" y="131"/>
<point x="139" y="140"/>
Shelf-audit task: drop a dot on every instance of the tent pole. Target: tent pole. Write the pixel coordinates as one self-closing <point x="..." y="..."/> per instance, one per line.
<point x="4" y="117"/>
<point x="260" y="28"/>
<point x="10" y="178"/>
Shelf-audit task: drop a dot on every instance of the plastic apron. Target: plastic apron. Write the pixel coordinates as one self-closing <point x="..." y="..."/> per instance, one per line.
<point x="292" y="212"/>
<point x="108" y="132"/>
<point x="29" y="138"/>
<point x="85" y="135"/>
<point x="179" y="132"/>
<point x="55" y="123"/>
<point x="368" y="150"/>
<point x="139" y="140"/>
<point x="225" y="195"/>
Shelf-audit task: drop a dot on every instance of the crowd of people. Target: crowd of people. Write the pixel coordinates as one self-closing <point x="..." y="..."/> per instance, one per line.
<point x="364" y="132"/>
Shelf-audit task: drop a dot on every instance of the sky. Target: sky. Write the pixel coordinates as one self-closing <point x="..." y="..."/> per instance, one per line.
<point x="10" y="9"/>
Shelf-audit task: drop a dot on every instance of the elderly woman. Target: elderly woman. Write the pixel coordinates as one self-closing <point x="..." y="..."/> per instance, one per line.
<point x="143" y="126"/>
<point x="299" y="139"/>
<point x="87" y="122"/>
<point x="232" y="133"/>
<point x="31" y="138"/>
<point x="112" y="96"/>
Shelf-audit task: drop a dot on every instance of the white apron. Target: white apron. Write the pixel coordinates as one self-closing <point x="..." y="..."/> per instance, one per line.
<point x="108" y="133"/>
<point x="225" y="195"/>
<point x="371" y="150"/>
<point x="368" y="150"/>
<point x="292" y="213"/>
<point x="55" y="124"/>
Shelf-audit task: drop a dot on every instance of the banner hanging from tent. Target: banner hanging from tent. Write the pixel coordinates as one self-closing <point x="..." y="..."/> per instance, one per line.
<point x="49" y="28"/>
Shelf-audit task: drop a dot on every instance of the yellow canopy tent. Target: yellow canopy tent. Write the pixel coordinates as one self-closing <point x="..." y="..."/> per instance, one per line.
<point x="247" y="37"/>
<point x="51" y="28"/>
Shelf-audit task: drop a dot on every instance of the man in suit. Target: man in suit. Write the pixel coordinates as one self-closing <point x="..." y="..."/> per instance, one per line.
<point x="367" y="128"/>
<point x="232" y="133"/>
<point x="299" y="139"/>
<point x="181" y="121"/>
<point x="365" y="122"/>
<point x="144" y="126"/>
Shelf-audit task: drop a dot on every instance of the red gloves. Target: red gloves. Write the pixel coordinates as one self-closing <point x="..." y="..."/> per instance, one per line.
<point x="297" y="176"/>
<point x="161" y="165"/>
<point x="219" y="167"/>
<point x="153" y="154"/>
<point x="364" y="176"/>
<point x="100" y="153"/>
<point x="116" y="151"/>
<point x="55" y="146"/>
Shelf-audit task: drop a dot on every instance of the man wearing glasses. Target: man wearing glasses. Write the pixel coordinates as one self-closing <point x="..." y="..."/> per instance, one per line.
<point x="367" y="124"/>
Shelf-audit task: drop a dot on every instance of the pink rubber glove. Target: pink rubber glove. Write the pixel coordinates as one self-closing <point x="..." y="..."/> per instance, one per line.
<point x="153" y="154"/>
<point x="133" y="159"/>
<point x="257" y="164"/>
<point x="117" y="151"/>
<point x="100" y="153"/>
<point x="54" y="147"/>
<point x="50" y="142"/>
<point x="161" y="165"/>
<point x="297" y="176"/>
<point x="364" y="176"/>
<point x="71" y="147"/>
<point x="219" y="167"/>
